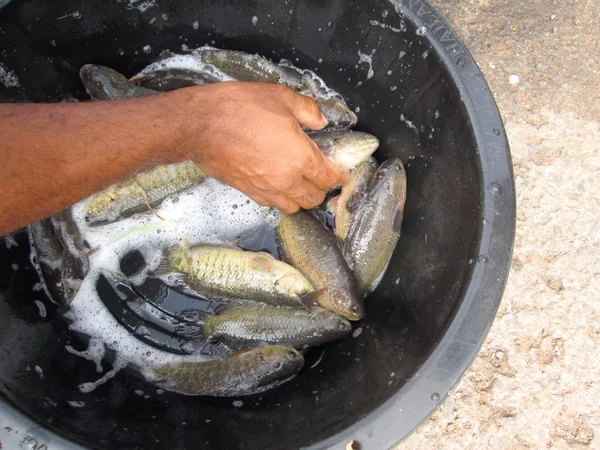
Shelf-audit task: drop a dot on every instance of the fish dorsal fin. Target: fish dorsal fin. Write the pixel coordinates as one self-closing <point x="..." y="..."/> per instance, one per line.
<point x="309" y="300"/>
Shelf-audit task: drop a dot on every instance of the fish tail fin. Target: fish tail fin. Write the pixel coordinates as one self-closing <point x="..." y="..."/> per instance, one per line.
<point x="309" y="300"/>
<point x="164" y="267"/>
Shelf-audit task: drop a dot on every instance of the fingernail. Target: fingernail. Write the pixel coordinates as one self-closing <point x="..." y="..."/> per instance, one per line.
<point x="324" y="119"/>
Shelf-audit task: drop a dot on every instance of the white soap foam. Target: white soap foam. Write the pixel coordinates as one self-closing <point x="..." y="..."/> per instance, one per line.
<point x="409" y="123"/>
<point x="76" y="404"/>
<point x="322" y="89"/>
<point x="367" y="59"/>
<point x="141" y="6"/>
<point x="208" y="213"/>
<point x="188" y="62"/>
<point x="376" y="23"/>
<point x="10" y="241"/>
<point x="8" y="77"/>
<point x="41" y="307"/>
<point x="193" y="62"/>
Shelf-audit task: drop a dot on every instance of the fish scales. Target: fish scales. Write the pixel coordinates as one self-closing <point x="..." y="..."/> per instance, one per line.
<point x="375" y="228"/>
<point x="226" y="272"/>
<point x="351" y="194"/>
<point x="241" y="373"/>
<point x="265" y="324"/>
<point x="306" y="244"/>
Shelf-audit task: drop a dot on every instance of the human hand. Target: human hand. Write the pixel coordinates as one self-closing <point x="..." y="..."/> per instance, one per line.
<point x="249" y="136"/>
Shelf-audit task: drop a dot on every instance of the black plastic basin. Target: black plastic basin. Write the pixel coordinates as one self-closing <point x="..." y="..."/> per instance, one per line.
<point x="423" y="96"/>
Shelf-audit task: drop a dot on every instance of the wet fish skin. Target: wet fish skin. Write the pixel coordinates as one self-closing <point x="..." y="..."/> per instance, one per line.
<point x="338" y="114"/>
<point x="351" y="195"/>
<point x="150" y="187"/>
<point x="305" y="243"/>
<point x="246" y="67"/>
<point x="169" y="79"/>
<point x="62" y="271"/>
<point x="225" y="272"/>
<point x="104" y="83"/>
<point x="258" y="324"/>
<point x="225" y="65"/>
<point x="242" y="373"/>
<point x="345" y="149"/>
<point x="375" y="227"/>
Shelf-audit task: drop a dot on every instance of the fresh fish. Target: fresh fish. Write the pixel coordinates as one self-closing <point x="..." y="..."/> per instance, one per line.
<point x="305" y="243"/>
<point x="62" y="270"/>
<point x="375" y="227"/>
<point x="243" y="373"/>
<point x="146" y="189"/>
<point x="210" y="65"/>
<point x="74" y="248"/>
<point x="345" y="149"/>
<point x="259" y="324"/>
<point x="245" y="67"/>
<point x="169" y="79"/>
<point x="352" y="193"/>
<point x="223" y="272"/>
<point x="103" y="83"/>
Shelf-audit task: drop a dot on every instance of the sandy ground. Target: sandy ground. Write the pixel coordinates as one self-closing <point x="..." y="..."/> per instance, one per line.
<point x="536" y="382"/>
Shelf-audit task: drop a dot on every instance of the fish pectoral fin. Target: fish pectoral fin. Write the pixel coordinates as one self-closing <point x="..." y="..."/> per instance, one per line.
<point x="309" y="300"/>
<point x="397" y="224"/>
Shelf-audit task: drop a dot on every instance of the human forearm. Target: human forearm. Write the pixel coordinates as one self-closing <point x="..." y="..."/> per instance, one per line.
<point x="56" y="154"/>
<point x="248" y="135"/>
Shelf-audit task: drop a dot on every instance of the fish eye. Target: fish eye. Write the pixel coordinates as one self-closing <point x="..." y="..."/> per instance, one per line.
<point x="355" y="309"/>
<point x="291" y="355"/>
<point x="88" y="219"/>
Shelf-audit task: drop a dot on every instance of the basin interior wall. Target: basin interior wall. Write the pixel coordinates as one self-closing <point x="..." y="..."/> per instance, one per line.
<point x="390" y="74"/>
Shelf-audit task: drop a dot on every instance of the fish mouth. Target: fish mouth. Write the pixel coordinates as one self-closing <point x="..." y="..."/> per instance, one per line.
<point x="353" y="313"/>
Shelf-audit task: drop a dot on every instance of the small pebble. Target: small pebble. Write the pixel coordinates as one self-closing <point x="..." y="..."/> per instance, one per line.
<point x="514" y="79"/>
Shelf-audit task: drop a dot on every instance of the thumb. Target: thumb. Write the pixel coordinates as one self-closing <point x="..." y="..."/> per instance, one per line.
<point x="307" y="113"/>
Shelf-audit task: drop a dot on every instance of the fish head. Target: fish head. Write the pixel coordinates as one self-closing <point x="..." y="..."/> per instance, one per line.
<point x="391" y="176"/>
<point x="355" y="147"/>
<point x="335" y="325"/>
<point x="347" y="149"/>
<point x="337" y="112"/>
<point x="70" y="287"/>
<point x="349" y="307"/>
<point x="281" y="361"/>
<point x="104" y="206"/>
